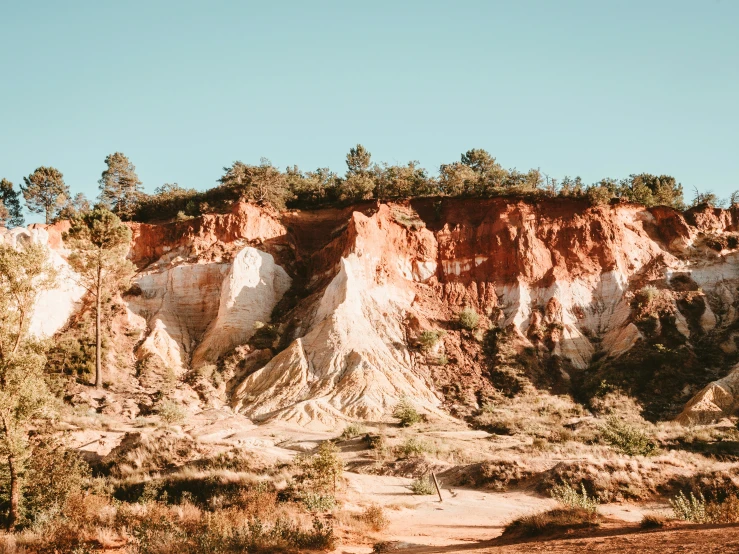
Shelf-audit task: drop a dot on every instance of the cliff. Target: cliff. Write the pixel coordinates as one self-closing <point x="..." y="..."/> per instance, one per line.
<point x="314" y="317"/>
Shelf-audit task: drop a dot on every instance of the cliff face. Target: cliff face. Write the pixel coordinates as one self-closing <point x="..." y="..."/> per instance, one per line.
<point x="349" y="291"/>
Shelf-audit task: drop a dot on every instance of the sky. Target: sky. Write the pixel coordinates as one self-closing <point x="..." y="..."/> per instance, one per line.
<point x="590" y="88"/>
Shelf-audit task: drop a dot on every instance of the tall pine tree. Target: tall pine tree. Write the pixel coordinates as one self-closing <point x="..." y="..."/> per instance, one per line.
<point x="99" y="243"/>
<point x="45" y="192"/>
<point x="120" y="187"/>
<point x="12" y="202"/>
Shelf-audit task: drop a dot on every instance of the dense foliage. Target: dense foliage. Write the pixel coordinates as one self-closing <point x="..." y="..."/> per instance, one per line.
<point x="476" y="174"/>
<point x="24" y="396"/>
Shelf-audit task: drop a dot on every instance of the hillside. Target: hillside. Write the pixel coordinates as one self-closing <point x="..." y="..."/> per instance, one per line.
<point x="518" y="329"/>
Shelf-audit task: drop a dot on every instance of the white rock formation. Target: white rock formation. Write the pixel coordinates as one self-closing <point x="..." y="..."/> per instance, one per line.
<point x="53" y="306"/>
<point x="196" y="312"/>
<point x="251" y="289"/>
<point x="351" y="364"/>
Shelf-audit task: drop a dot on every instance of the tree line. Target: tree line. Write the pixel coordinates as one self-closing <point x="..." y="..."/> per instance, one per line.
<point x="477" y="174"/>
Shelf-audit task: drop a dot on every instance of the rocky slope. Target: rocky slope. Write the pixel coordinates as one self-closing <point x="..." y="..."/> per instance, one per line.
<point x="322" y="311"/>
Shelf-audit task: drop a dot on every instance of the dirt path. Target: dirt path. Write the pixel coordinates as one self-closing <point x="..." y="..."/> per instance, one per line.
<point x="464" y="519"/>
<point x="610" y="540"/>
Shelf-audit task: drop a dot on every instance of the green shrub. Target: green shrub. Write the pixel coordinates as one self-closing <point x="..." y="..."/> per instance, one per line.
<point x="598" y="195"/>
<point x="568" y="496"/>
<point x="647" y="294"/>
<point x="428" y="339"/>
<point x="170" y="411"/>
<point x="53" y="474"/>
<point x="468" y="319"/>
<point x="321" y="472"/>
<point x="377" y="442"/>
<point x="406" y="413"/>
<point x="699" y="510"/>
<point x="689" y="509"/>
<point x="627" y="438"/>
<point x="413" y="447"/>
<point x="353" y="430"/>
<point x="318" y="502"/>
<point x="423" y="486"/>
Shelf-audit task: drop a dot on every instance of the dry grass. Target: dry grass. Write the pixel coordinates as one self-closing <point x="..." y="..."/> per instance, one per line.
<point x="374" y="516"/>
<point x="653" y="521"/>
<point x="559" y="520"/>
<point x="256" y="522"/>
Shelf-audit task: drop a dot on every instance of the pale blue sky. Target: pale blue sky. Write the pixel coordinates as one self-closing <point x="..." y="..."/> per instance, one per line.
<point x="596" y="88"/>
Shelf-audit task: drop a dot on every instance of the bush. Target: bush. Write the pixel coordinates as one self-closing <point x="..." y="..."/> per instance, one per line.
<point x="53" y="475"/>
<point x="689" y="509"/>
<point x="468" y="319"/>
<point x="318" y="502"/>
<point x="321" y="472"/>
<point x="406" y="413"/>
<point x="171" y="412"/>
<point x="627" y="438"/>
<point x="557" y="520"/>
<point x="353" y="430"/>
<point x="413" y="447"/>
<point x="423" y="486"/>
<point x="699" y="510"/>
<point x="599" y="195"/>
<point x="375" y="517"/>
<point x="428" y="339"/>
<point x="569" y="496"/>
<point x="652" y="521"/>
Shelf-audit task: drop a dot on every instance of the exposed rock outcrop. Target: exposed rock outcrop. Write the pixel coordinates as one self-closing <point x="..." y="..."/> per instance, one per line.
<point x="561" y="274"/>
<point x="53" y="306"/>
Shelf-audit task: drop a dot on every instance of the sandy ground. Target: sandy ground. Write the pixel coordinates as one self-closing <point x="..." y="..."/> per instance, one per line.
<point x="610" y="539"/>
<point x="465" y="518"/>
<point x="467" y="521"/>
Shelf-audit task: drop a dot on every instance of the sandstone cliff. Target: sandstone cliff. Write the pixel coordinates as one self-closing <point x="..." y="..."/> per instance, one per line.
<point x="347" y="292"/>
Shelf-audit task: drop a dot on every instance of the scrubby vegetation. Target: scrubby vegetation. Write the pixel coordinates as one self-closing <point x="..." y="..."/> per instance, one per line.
<point x="423" y="486"/>
<point x="554" y="521"/>
<point x="627" y="438"/>
<point x="568" y="496"/>
<point x="428" y="338"/>
<point x="696" y="509"/>
<point x="406" y="413"/>
<point x="468" y="319"/>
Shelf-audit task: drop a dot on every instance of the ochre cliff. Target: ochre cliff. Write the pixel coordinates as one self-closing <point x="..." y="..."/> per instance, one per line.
<point x="345" y="294"/>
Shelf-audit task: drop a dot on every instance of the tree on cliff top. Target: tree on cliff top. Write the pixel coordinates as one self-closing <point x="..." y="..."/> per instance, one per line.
<point x="75" y="206"/>
<point x="653" y="190"/>
<point x="359" y="183"/>
<point x="24" y="396"/>
<point x="99" y="243"/>
<point x="120" y="187"/>
<point x="11" y="201"/>
<point x="45" y="192"/>
<point x="263" y="183"/>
